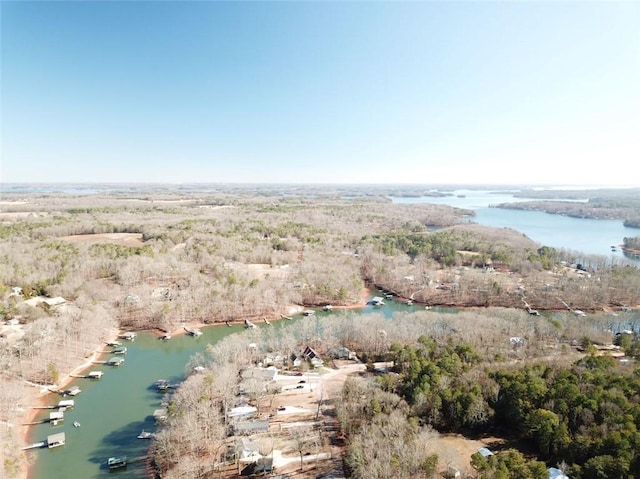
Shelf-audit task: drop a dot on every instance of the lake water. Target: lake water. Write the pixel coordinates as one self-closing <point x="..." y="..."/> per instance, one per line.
<point x="592" y="237"/>
<point x="115" y="409"/>
<point x="112" y="411"/>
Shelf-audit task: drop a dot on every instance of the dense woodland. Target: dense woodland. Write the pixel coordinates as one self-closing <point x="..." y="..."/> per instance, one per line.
<point x="613" y="204"/>
<point x="157" y="259"/>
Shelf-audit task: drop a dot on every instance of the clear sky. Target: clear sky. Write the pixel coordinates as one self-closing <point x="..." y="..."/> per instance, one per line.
<point x="321" y="91"/>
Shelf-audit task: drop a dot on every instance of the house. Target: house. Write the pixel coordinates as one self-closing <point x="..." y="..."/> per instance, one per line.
<point x="296" y="361"/>
<point x="264" y="464"/>
<point x="484" y="452"/>
<point x="556" y="473"/>
<point x="247" y="450"/>
<point x="311" y="355"/>
<point x="262" y="374"/>
<point x="242" y="411"/>
<point x="251" y="427"/>
<point x="272" y="359"/>
<point x="340" y="352"/>
<point x="51" y="303"/>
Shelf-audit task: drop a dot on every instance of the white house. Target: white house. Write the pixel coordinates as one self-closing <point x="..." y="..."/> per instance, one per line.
<point x="556" y="474"/>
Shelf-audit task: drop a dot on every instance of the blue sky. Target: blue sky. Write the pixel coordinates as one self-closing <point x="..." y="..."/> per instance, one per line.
<point x="320" y="92"/>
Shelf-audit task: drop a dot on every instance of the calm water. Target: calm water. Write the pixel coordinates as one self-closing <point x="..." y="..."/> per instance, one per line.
<point x="113" y="410"/>
<point x="592" y="237"/>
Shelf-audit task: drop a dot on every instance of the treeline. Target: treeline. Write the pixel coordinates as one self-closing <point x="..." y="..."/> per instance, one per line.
<point x="464" y="373"/>
<point x="211" y="258"/>
<point x="632" y="243"/>
<point x="613" y="205"/>
<point x="586" y="416"/>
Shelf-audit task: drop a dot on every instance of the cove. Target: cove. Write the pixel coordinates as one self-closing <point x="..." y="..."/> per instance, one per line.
<point x="112" y="411"/>
<point x="588" y="236"/>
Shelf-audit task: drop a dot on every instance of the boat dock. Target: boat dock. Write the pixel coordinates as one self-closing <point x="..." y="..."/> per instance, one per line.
<point x="56" y="440"/>
<point x="115" y="361"/>
<point x="193" y="332"/>
<point x="35" y="445"/>
<point x="72" y="391"/>
<point x="65" y="404"/>
<point x="56" y="417"/>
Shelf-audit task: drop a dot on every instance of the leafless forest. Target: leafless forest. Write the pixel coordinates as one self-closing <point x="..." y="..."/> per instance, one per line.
<point x="159" y="259"/>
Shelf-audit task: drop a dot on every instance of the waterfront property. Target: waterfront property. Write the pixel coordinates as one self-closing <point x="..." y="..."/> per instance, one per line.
<point x="160" y="415"/>
<point x="95" y="375"/>
<point x="377" y="301"/>
<point x="129" y="336"/>
<point x="115" y="361"/>
<point x="56" y="440"/>
<point x="55" y="417"/>
<point x="66" y="404"/>
<point x="73" y="391"/>
<point x="193" y="332"/>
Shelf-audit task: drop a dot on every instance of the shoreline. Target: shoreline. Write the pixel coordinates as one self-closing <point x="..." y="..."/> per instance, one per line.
<point x="39" y="398"/>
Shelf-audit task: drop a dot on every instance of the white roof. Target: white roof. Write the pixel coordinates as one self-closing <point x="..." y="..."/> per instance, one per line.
<point x="556" y="474"/>
<point x="242" y="411"/>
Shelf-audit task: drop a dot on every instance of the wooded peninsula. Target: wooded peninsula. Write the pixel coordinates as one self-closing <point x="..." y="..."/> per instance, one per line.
<point x="530" y="357"/>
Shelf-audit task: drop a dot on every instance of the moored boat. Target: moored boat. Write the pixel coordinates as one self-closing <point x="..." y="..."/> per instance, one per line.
<point x="117" y="462"/>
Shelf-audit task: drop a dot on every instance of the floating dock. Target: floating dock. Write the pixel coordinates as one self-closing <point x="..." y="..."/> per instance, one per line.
<point x="115" y="361"/>
<point x="193" y="332"/>
<point x="55" y="417"/>
<point x="65" y="404"/>
<point x="72" y="391"/>
<point x="56" y="440"/>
